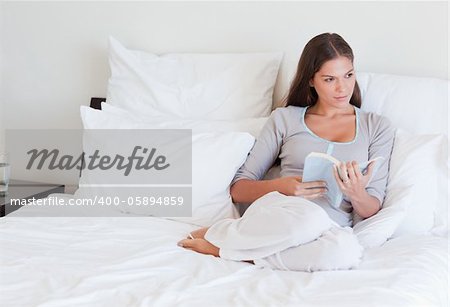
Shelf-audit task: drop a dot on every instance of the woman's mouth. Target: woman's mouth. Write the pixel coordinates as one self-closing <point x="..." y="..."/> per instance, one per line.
<point x="340" y="98"/>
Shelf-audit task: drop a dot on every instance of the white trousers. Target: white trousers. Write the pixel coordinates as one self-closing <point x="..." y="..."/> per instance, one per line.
<point x="286" y="233"/>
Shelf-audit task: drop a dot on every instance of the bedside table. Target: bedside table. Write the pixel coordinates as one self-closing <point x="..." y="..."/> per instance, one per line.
<point x="20" y="189"/>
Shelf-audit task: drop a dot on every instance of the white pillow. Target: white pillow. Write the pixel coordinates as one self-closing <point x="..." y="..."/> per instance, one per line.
<point x="196" y="86"/>
<point x="216" y="156"/>
<point x="401" y="99"/>
<point x="250" y="125"/>
<point x="416" y="194"/>
<point x="377" y="229"/>
<point x="420" y="161"/>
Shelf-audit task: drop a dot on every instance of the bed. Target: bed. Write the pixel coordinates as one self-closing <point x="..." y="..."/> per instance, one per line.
<point x="127" y="259"/>
<point x="136" y="262"/>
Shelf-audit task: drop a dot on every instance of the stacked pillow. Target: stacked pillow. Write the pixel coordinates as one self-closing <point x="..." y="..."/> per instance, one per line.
<point x="224" y="98"/>
<point x="194" y="86"/>
<point x="219" y="148"/>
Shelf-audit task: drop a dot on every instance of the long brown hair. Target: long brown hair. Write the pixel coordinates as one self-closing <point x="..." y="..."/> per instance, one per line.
<point x="321" y="48"/>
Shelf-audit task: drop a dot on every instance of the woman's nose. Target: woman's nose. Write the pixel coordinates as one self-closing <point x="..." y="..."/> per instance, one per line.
<point x="340" y="86"/>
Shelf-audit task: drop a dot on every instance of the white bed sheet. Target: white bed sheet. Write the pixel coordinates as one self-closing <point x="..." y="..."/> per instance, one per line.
<point x="128" y="261"/>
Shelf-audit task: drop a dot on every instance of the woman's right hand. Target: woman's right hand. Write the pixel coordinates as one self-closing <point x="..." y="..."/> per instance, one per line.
<point x="293" y="186"/>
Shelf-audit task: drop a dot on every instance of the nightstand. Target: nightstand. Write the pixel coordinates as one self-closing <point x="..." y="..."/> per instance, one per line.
<point x="19" y="189"/>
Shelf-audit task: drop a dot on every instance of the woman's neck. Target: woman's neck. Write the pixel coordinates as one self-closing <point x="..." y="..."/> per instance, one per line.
<point x="326" y="111"/>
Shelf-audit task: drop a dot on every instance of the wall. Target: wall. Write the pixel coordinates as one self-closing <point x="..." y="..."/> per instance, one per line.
<point x="54" y="54"/>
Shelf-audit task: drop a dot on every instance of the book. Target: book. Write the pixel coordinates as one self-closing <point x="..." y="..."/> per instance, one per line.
<point x="319" y="167"/>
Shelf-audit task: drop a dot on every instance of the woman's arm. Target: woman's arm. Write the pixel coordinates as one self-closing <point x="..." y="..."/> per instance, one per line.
<point x="247" y="190"/>
<point x="365" y="205"/>
<point x="381" y="145"/>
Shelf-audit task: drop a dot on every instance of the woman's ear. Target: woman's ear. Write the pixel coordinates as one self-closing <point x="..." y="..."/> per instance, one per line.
<point x="311" y="84"/>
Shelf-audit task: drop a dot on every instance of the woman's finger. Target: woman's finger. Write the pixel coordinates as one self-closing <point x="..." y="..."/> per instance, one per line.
<point x="314" y="184"/>
<point x="315" y="190"/>
<point x="338" y="179"/>
<point x="351" y="170"/>
<point x="343" y="172"/>
<point x="357" y="170"/>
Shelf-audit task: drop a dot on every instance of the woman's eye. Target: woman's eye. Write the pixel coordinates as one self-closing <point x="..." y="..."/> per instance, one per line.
<point x="328" y="79"/>
<point x="350" y="75"/>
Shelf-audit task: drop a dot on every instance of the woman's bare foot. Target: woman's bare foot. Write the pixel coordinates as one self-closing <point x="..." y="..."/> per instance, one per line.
<point x="199" y="233"/>
<point x="200" y="246"/>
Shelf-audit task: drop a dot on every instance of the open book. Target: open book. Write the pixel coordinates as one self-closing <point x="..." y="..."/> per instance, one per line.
<point x="319" y="166"/>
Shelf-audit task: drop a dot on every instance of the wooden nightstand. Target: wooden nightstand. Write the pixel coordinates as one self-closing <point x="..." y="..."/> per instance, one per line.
<point x="19" y="189"/>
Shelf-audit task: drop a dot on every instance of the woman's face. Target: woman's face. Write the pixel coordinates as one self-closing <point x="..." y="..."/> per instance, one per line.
<point x="334" y="82"/>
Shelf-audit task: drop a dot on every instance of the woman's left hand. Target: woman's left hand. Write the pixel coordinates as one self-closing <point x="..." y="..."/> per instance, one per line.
<point x="353" y="182"/>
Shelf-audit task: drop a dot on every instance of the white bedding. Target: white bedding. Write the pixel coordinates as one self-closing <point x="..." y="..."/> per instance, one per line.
<point x="135" y="262"/>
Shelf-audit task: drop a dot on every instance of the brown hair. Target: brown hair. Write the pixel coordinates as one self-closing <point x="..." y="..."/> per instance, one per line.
<point x="321" y="48"/>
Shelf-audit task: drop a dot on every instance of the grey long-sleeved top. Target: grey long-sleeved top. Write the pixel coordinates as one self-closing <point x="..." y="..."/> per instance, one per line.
<point x="286" y="136"/>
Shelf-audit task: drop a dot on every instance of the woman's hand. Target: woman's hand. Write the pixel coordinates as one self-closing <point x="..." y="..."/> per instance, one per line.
<point x="293" y="186"/>
<point x="353" y="184"/>
<point x="350" y="179"/>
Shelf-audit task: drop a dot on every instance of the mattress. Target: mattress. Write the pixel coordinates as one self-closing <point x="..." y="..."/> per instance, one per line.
<point x="134" y="261"/>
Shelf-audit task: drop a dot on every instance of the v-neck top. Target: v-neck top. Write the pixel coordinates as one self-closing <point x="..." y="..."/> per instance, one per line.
<point x="286" y="136"/>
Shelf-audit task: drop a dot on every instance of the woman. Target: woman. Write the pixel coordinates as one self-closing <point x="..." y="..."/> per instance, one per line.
<point x="322" y="114"/>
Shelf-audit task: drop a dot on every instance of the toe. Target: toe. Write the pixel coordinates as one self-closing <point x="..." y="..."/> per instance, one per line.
<point x="186" y="243"/>
<point x="182" y="242"/>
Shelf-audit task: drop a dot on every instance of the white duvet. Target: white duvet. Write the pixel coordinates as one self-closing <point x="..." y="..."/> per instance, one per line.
<point x="129" y="261"/>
